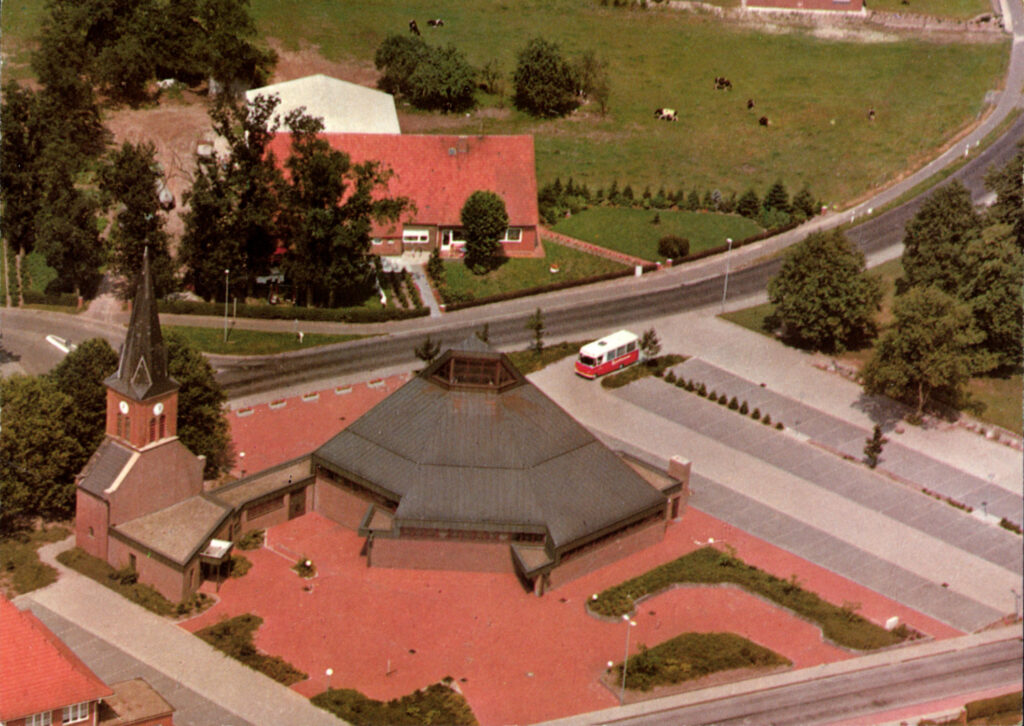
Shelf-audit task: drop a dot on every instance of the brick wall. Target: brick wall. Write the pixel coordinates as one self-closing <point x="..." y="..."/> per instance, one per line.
<point x="432" y="554"/>
<point x="165" y="474"/>
<point x="169" y="581"/>
<point x="261" y="516"/>
<point x="91" y="524"/>
<point x="339" y="505"/>
<point x="610" y="551"/>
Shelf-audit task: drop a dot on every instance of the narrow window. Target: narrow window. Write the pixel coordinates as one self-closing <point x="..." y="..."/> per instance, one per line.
<point x="152" y="429"/>
<point x="163" y="425"/>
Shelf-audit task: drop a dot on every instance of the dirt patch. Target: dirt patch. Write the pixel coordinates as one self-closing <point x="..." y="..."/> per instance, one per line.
<point x="307" y="61"/>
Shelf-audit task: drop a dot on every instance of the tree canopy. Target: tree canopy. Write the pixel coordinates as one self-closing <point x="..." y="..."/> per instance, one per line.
<point x="992" y="286"/>
<point x="432" y="78"/>
<point x="929" y="351"/>
<point x="936" y="238"/>
<point x="484" y="221"/>
<point x="1008" y="185"/>
<point x="545" y="82"/>
<point x="823" y="297"/>
<point x="80" y="376"/>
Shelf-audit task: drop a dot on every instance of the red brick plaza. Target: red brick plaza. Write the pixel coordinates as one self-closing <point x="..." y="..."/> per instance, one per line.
<point x="517" y="658"/>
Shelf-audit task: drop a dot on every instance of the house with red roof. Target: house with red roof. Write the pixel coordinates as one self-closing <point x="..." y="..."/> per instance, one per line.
<point x="438" y="174"/>
<point x="42" y="681"/>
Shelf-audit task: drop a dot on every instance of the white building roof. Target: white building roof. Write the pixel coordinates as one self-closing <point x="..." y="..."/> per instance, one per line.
<point x="345" y="107"/>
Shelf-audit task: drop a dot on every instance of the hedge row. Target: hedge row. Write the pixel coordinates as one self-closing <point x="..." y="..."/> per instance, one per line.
<point x="64" y="299"/>
<point x="234" y="637"/>
<point x="274" y="312"/>
<point x="732" y="404"/>
<point x="564" y="284"/>
<point x="694" y="655"/>
<point x="841" y="625"/>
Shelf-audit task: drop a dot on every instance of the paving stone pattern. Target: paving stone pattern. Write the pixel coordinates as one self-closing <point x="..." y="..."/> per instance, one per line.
<point x="848" y="439"/>
<point x="112" y="665"/>
<point x="827" y="551"/>
<point x="935" y="518"/>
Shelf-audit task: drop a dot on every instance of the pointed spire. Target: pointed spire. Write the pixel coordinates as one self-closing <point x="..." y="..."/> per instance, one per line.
<point x="142" y="370"/>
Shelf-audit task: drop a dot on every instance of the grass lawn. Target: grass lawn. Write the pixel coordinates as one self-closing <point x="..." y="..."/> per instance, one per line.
<point x="694" y="655"/>
<point x="234" y="637"/>
<point x="522" y="273"/>
<point x="958" y="9"/>
<point x="528" y="361"/>
<point x="707" y="565"/>
<point x="436" y="704"/>
<point x="816" y="91"/>
<point x="20" y="568"/>
<point x="632" y="230"/>
<point x="653" y="367"/>
<point x="1000" y="397"/>
<point x="253" y="342"/>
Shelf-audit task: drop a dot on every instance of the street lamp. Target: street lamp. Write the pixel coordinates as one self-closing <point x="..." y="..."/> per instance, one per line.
<point x="625" y="660"/>
<point x="226" y="273"/>
<point x="241" y="456"/>
<point x="725" y="287"/>
<point x="329" y="672"/>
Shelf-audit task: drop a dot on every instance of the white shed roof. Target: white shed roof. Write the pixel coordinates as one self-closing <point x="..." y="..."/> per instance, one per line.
<point x="346" y="108"/>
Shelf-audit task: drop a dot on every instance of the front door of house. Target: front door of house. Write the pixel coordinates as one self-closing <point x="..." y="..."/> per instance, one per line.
<point x="297" y="504"/>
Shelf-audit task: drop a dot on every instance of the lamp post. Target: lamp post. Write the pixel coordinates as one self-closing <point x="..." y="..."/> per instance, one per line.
<point x="329" y="672"/>
<point x="728" y="257"/>
<point x="226" y="273"/>
<point x="625" y="660"/>
<point x="241" y="457"/>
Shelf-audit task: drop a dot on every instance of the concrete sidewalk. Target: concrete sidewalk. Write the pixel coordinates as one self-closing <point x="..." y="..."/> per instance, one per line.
<point x="793" y="374"/>
<point x="178" y="655"/>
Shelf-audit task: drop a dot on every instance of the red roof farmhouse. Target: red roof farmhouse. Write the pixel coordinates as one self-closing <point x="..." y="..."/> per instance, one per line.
<point x="438" y="174"/>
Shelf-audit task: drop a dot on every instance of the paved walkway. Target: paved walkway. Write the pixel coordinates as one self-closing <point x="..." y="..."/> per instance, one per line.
<point x="112" y="665"/>
<point x="795" y="490"/>
<point x="176" y="654"/>
<point x="848" y="439"/>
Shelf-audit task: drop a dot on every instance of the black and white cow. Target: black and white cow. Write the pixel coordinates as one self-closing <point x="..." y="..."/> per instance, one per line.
<point x="414" y="28"/>
<point x="435" y="23"/>
<point x="666" y="114"/>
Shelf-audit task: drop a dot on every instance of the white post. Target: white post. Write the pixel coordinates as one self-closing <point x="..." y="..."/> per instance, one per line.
<point x="625" y="660"/>
<point x="725" y="287"/>
<point x="226" y="273"/>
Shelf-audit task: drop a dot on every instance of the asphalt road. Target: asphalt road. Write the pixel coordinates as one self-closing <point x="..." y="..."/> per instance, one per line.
<point x="857" y="694"/>
<point x="876" y="234"/>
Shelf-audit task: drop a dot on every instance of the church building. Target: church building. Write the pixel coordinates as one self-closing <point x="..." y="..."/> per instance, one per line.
<point x="468" y="466"/>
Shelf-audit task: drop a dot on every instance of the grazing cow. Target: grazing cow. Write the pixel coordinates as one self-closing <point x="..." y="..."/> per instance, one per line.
<point x="435" y="23"/>
<point x="750" y="103"/>
<point x="722" y="83"/>
<point x="414" y="28"/>
<point x="871" y="115"/>
<point x="764" y="121"/>
<point x="665" y="114"/>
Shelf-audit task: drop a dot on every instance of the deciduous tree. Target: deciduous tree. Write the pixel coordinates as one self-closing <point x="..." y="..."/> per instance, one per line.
<point x="484" y="221"/>
<point x="937" y="237"/>
<point x="929" y="350"/>
<point x="535" y="324"/>
<point x="545" y="82"/>
<point x="992" y="285"/>
<point x="1008" y="184"/>
<point x="823" y="297"/>
<point x="80" y="376"/>
<point x="443" y="81"/>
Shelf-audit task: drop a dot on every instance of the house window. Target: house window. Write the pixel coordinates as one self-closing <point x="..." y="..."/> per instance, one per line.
<point x="513" y="234"/>
<point x="152" y="429"/>
<point x="120" y="425"/>
<point x="416" y="235"/>
<point x="131" y="561"/>
<point x="378" y="241"/>
<point x="91" y="533"/>
<point x="76" y="713"/>
<point x="163" y="425"/>
<point x="451" y="237"/>
<point x="39" y="719"/>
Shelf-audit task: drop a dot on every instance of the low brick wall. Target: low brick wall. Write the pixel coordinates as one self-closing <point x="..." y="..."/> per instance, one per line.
<point x="611" y="551"/>
<point x="432" y="554"/>
<point x="338" y="505"/>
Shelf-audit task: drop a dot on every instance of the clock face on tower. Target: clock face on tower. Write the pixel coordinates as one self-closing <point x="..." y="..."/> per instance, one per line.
<point x="158" y="409"/>
<point x="123" y="407"/>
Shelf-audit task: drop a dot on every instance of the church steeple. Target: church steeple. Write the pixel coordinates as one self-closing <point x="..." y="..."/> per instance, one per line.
<point x="142" y="398"/>
<point x="142" y="371"/>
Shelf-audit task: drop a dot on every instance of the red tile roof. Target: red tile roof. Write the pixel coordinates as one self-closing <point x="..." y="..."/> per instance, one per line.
<point x="40" y="673"/>
<point x="438" y="173"/>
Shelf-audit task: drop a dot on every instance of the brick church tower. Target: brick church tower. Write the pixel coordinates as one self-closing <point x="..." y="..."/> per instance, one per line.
<point x="142" y="399"/>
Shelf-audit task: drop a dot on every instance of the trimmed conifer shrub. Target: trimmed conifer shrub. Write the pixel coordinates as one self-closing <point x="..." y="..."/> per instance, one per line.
<point x="743" y="408"/>
<point x="734" y="404"/>
<point x="767" y="420"/>
<point x="756" y="415"/>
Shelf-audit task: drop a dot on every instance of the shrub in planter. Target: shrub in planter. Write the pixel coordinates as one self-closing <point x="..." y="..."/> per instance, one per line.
<point x="251" y="540"/>
<point x="673" y="247"/>
<point x="756" y="415"/>
<point x="670" y="377"/>
<point x="734" y="404"/>
<point x="743" y="408"/>
<point x="767" y="420"/>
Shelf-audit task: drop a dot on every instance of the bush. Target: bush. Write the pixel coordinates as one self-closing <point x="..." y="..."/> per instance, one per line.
<point x="251" y="540"/>
<point x="98" y="570"/>
<point x="1011" y="703"/>
<point x="234" y="637"/>
<point x="673" y="247"/>
<point x="756" y="415"/>
<point x="743" y="408"/>
<point x="19" y="559"/>
<point x="680" y="383"/>
<point x="304" y="568"/>
<point x="702" y="391"/>
<point x="779" y="426"/>
<point x="734" y="405"/>
<point x="713" y="396"/>
<point x="723" y="400"/>
<point x="670" y="377"/>
<point x="436" y="704"/>
<point x="767" y="420"/>
<point x="239" y="566"/>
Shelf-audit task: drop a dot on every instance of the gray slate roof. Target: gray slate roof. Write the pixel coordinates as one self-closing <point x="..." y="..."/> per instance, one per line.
<point x="483" y="456"/>
<point x="178" y="531"/>
<point x="142" y="367"/>
<point x="104" y="466"/>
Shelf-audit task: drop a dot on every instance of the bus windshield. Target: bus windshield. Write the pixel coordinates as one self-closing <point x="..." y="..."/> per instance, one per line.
<point x="588" y="361"/>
